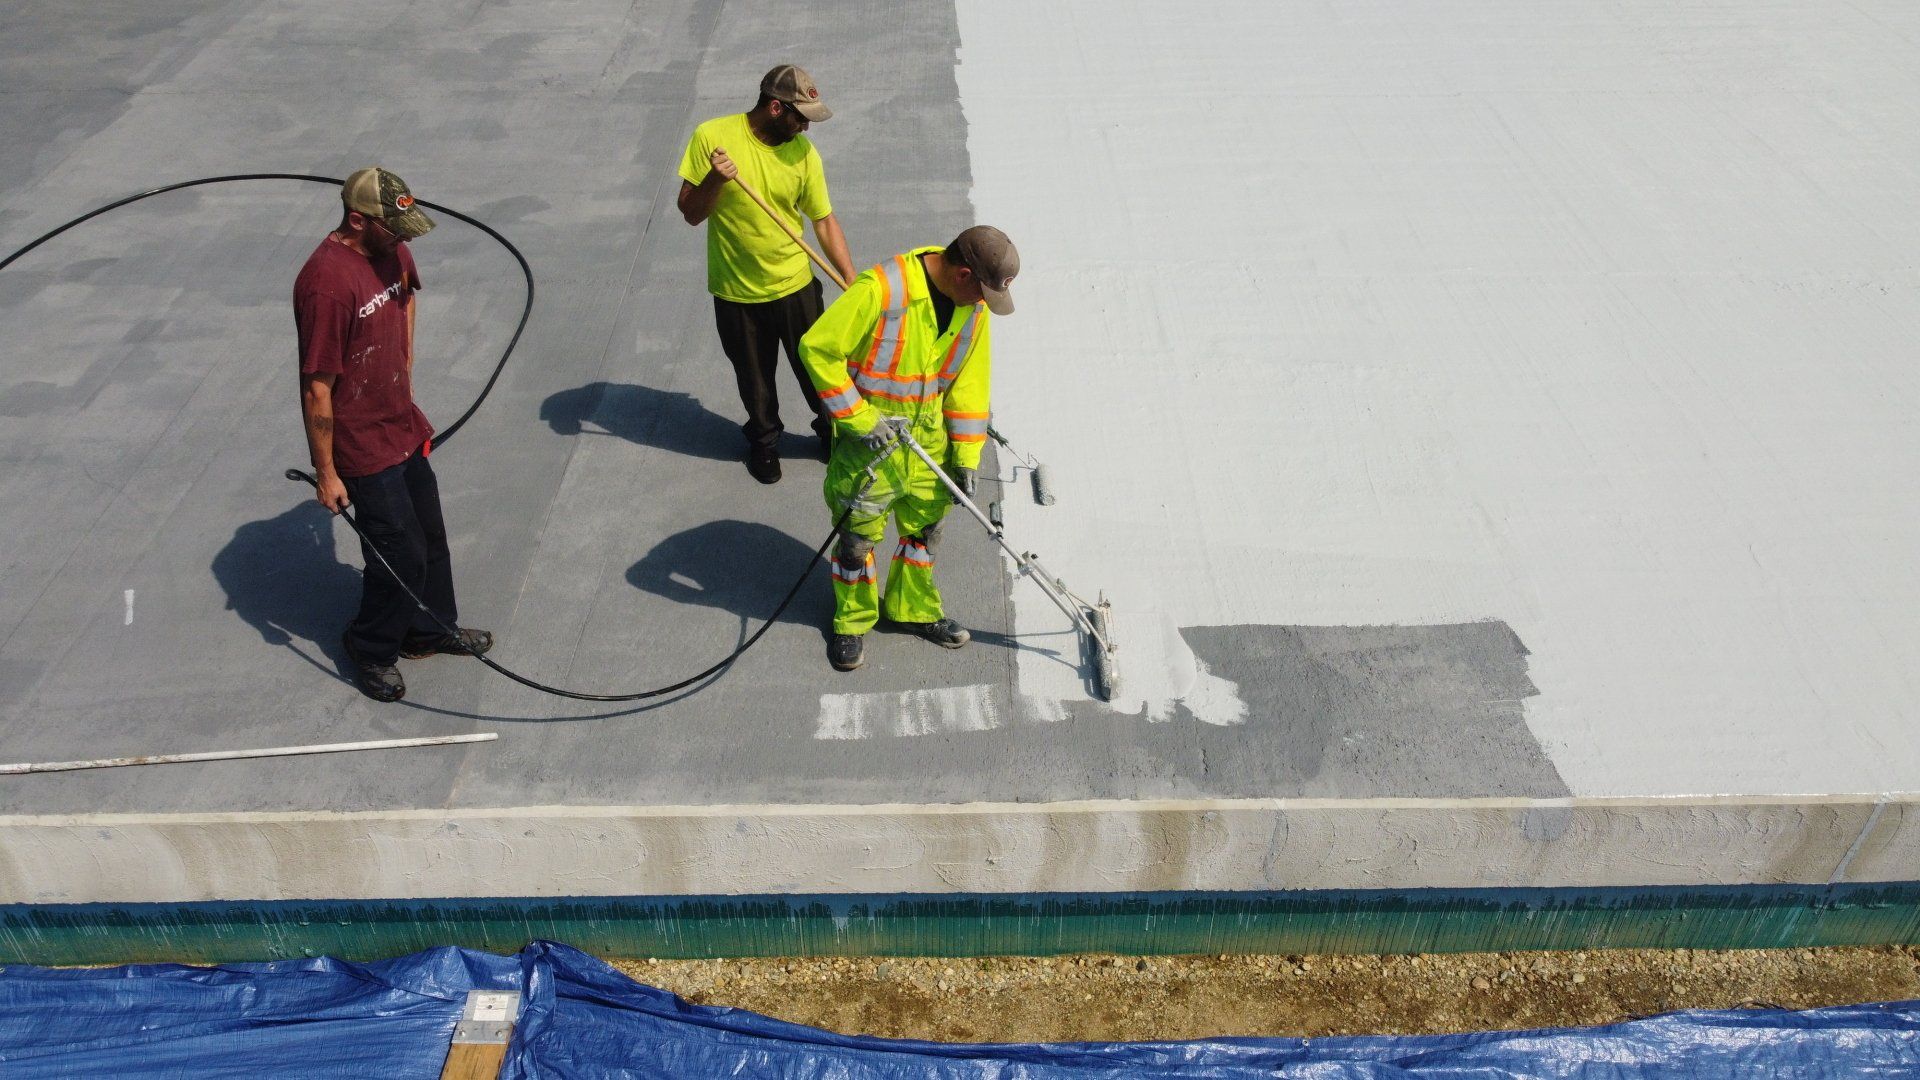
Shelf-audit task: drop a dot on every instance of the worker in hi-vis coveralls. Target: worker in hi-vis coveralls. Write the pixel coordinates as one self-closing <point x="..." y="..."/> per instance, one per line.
<point x="906" y="347"/>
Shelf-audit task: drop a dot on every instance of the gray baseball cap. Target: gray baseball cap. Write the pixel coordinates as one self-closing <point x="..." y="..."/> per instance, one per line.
<point x="993" y="260"/>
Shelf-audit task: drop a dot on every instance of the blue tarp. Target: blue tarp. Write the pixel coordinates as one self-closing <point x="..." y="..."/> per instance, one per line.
<point x="582" y="1019"/>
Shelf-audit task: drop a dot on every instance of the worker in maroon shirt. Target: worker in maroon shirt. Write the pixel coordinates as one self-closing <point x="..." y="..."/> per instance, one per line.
<point x="353" y="306"/>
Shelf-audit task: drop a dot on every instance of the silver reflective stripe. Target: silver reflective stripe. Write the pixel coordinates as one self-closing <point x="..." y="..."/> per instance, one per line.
<point x="909" y="389"/>
<point x="913" y="552"/>
<point x="896" y="284"/>
<point x="854" y="577"/>
<point x="962" y="346"/>
<point x="966" y="427"/>
<point x="842" y="402"/>
<point x="893" y="321"/>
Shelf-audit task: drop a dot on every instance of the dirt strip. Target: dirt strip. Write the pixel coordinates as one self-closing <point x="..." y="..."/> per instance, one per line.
<point x="1074" y="998"/>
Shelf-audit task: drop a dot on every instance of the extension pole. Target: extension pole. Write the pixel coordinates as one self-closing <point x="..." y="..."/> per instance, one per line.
<point x="788" y="229"/>
<point x="226" y="755"/>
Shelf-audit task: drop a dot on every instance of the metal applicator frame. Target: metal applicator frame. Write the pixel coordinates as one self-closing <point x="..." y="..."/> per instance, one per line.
<point x="1093" y="620"/>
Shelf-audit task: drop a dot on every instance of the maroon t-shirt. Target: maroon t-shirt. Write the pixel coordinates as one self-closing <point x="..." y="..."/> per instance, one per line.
<point x="351" y="312"/>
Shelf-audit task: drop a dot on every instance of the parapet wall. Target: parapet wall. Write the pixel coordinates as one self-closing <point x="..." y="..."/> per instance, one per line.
<point x="1267" y="875"/>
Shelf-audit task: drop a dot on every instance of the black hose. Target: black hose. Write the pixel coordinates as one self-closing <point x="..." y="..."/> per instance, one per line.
<point x="526" y="310"/>
<point x="440" y="439"/>
<point x="450" y="631"/>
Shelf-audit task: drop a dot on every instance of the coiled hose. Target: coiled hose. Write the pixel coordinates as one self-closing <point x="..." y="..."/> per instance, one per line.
<point x="440" y="439"/>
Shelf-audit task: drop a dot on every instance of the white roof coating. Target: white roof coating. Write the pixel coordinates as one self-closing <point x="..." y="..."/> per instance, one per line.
<point x="1597" y="320"/>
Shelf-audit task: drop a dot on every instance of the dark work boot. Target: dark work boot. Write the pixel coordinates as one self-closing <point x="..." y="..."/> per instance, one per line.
<point x="764" y="464"/>
<point x="381" y="682"/>
<point x="846" y="651"/>
<point x="942" y="632"/>
<point x="468" y="642"/>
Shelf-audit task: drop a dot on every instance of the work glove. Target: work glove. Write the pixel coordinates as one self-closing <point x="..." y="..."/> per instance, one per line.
<point x="885" y="433"/>
<point x="963" y="479"/>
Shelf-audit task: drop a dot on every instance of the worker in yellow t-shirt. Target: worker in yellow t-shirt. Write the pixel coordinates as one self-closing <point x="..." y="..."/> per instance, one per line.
<point x="764" y="293"/>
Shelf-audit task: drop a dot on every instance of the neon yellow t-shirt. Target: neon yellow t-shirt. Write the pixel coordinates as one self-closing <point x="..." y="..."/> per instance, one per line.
<point x="749" y="260"/>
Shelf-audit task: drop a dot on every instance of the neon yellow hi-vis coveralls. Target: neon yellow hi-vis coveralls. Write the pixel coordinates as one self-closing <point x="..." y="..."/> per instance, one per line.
<point x="874" y="352"/>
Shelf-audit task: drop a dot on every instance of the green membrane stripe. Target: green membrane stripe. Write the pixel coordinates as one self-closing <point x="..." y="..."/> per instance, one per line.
<point x="977" y="925"/>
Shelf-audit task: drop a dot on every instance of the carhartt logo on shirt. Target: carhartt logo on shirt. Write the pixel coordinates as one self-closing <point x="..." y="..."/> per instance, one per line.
<point x="379" y="299"/>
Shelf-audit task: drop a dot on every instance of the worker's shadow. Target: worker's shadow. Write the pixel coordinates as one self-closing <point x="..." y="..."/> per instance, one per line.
<point x="671" y="421"/>
<point x="281" y="576"/>
<point x="741" y="567"/>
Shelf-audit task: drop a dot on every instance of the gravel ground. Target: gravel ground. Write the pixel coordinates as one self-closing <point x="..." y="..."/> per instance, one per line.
<point x="1076" y="998"/>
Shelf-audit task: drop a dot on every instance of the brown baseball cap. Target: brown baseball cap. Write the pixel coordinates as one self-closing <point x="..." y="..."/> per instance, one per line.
<point x="793" y="86"/>
<point x="376" y="192"/>
<point x="993" y="260"/>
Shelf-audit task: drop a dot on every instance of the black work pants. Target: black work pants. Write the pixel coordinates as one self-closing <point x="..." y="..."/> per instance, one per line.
<point x="399" y="512"/>
<point x="752" y="336"/>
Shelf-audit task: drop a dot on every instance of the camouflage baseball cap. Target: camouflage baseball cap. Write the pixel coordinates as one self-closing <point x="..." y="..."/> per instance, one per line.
<point x="993" y="260"/>
<point x="376" y="192"/>
<point x="794" y="87"/>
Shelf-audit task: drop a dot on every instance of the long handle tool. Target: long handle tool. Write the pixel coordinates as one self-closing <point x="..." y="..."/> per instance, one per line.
<point x="832" y="274"/>
<point x="1093" y="620"/>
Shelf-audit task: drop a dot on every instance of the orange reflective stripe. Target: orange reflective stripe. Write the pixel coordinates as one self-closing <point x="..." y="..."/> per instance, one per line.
<point x="953" y="415"/>
<point x="958" y="437"/>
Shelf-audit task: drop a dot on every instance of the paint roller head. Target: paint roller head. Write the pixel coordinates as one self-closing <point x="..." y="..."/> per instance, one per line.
<point x="1042" y="487"/>
<point x="1106" y="669"/>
